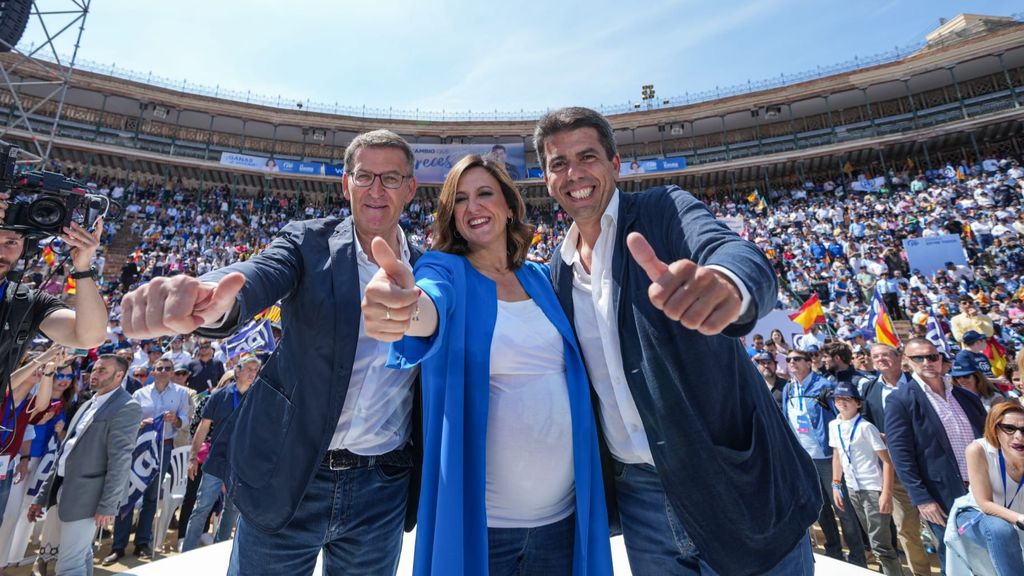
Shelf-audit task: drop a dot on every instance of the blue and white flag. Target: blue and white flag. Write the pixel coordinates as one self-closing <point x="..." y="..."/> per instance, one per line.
<point x="256" y="336"/>
<point x="43" y="469"/>
<point x="936" y="335"/>
<point x="145" y="463"/>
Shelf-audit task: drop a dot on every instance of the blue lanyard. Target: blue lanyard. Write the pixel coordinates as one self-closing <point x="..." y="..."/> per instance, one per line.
<point x="234" y="398"/>
<point x="1002" y="468"/>
<point x="856" y="423"/>
<point x="800" y="395"/>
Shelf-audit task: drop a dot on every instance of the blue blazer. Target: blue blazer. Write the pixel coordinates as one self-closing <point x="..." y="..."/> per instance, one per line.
<point x="921" y="454"/>
<point x="733" y="472"/>
<point x="451" y="538"/>
<point x="270" y="447"/>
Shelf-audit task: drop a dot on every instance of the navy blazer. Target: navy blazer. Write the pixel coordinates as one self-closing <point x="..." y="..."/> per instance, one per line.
<point x="919" y="448"/>
<point x="733" y="472"/>
<point x="270" y="447"/>
<point x="873" y="410"/>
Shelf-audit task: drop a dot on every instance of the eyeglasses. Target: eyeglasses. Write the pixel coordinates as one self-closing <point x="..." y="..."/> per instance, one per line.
<point x="765" y="362"/>
<point x="162" y="369"/>
<point x="59" y="376"/>
<point x="792" y="359"/>
<point x="922" y="358"/>
<point x="1010" y="429"/>
<point x="389" y="180"/>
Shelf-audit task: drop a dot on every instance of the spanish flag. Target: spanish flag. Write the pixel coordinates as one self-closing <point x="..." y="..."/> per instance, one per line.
<point x="48" y="256"/>
<point x="880" y="320"/>
<point x="70" y="287"/>
<point x="996" y="354"/>
<point x="809" y="314"/>
<point x="273" y="314"/>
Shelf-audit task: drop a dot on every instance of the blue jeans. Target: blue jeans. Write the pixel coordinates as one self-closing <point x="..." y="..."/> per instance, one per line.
<point x="847" y="518"/>
<point x="541" y="551"/>
<point x="657" y="543"/>
<point x="355" y="516"/>
<point x="938" y="536"/>
<point x="207" y="495"/>
<point x="996" y="535"/>
<point x="144" y="531"/>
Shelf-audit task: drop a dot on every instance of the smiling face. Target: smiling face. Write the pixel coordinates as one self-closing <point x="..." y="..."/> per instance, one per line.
<point x="848" y="407"/>
<point x="376" y="209"/>
<point x="481" y="212"/>
<point x="579" y="175"/>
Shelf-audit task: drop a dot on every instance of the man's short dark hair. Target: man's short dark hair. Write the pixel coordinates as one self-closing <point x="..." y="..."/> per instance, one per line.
<point x="840" y="349"/>
<point x="497" y="147"/>
<point x="122" y="363"/>
<point x="573" y="118"/>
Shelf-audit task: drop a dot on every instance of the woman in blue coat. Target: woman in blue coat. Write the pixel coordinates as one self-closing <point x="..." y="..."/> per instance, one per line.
<point x="511" y="471"/>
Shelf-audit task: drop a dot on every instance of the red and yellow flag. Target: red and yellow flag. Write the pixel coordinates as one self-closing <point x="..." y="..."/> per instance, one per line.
<point x="809" y="314"/>
<point x="70" y="286"/>
<point x="48" y="256"/>
<point x="996" y="354"/>
<point x="882" y="322"/>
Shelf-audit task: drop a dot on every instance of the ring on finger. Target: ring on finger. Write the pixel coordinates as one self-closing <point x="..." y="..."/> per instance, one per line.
<point x="387" y="313"/>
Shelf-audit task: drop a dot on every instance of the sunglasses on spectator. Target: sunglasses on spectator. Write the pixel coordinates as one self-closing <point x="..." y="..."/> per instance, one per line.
<point x="765" y="362"/>
<point x="922" y="358"/>
<point x="796" y="359"/>
<point x="162" y="369"/>
<point x="59" y="376"/>
<point x="1010" y="429"/>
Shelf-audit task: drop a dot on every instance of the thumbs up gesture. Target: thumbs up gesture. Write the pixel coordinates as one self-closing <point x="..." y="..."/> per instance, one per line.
<point x="177" y="305"/>
<point x="391" y="297"/>
<point x="698" y="297"/>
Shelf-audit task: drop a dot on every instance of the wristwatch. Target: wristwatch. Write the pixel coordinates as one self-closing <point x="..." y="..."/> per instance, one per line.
<point x="1020" y="521"/>
<point x="90" y="273"/>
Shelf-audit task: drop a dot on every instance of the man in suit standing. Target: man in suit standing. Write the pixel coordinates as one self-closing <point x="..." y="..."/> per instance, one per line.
<point x="928" y="425"/>
<point x="889" y="363"/>
<point x="320" y="455"/>
<point x="91" y="476"/>
<point x="658" y="324"/>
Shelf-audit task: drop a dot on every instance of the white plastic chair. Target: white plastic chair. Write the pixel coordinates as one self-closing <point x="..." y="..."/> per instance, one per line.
<point x="172" y="493"/>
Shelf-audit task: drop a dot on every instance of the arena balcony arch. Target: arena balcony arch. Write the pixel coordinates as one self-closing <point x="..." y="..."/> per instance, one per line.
<point x="958" y="96"/>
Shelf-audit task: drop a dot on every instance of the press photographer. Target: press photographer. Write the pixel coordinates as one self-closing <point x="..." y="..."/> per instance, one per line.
<point x="24" y="312"/>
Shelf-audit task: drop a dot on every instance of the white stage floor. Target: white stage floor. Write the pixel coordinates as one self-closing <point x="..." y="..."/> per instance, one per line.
<point x="214" y="560"/>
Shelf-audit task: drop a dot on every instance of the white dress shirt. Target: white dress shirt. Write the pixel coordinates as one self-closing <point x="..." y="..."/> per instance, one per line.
<point x="375" y="418"/>
<point x="76" y="432"/>
<point x="597" y="328"/>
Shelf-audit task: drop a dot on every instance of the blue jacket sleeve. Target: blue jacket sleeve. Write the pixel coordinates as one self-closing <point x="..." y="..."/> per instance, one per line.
<point x="270" y="276"/>
<point x="697" y="235"/>
<point x="899" y="436"/>
<point x="435" y="277"/>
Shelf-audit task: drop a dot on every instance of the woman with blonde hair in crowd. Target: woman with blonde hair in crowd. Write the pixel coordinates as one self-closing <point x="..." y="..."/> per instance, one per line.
<point x="989" y="519"/>
<point x="512" y="478"/>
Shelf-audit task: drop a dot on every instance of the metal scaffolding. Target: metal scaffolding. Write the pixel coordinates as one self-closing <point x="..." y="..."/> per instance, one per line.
<point x="38" y="70"/>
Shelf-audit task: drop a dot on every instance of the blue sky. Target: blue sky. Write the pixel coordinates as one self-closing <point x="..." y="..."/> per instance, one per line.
<point x="484" y="56"/>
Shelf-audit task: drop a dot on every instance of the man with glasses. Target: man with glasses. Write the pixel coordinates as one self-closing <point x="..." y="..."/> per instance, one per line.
<point x="808" y="408"/>
<point x="161" y="399"/>
<point x="322" y="451"/>
<point x="205" y="370"/>
<point x="889" y="363"/>
<point x="928" y="425"/>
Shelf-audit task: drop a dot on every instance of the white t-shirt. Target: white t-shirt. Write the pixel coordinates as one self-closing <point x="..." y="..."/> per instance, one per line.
<point x="861" y="465"/>
<point x="530" y="480"/>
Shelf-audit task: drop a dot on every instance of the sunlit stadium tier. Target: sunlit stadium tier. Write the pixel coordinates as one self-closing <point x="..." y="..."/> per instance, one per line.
<point x="957" y="96"/>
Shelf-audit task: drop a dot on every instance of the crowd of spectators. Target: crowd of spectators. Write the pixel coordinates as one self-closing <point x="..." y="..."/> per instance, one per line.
<point x="840" y="239"/>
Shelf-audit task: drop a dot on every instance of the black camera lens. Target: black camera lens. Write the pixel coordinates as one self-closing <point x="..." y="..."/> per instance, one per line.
<point x="46" y="213"/>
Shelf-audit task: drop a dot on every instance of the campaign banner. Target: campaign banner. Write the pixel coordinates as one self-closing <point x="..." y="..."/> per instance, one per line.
<point x="433" y="161"/>
<point x="145" y="463"/>
<point x="253" y="337"/>
<point x="272" y="166"/>
<point x="634" y="167"/>
<point x="43" y="469"/>
<point x="930" y="254"/>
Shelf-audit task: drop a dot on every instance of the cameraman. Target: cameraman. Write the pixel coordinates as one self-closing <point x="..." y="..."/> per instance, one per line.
<point x="24" y="312"/>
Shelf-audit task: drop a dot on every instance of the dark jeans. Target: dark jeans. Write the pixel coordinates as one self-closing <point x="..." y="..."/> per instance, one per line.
<point x="848" y="519"/>
<point x="188" y="503"/>
<point x="541" y="551"/>
<point x="657" y="543"/>
<point x="144" y="531"/>
<point x="355" y="516"/>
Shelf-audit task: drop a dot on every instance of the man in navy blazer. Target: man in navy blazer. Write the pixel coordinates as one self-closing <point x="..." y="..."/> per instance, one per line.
<point x="320" y="454"/>
<point x="690" y="427"/>
<point x="928" y="425"/>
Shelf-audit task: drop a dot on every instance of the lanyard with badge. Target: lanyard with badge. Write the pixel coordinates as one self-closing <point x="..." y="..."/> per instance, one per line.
<point x="1002" y="469"/>
<point x="842" y="443"/>
<point x="803" y="421"/>
<point x="234" y="398"/>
